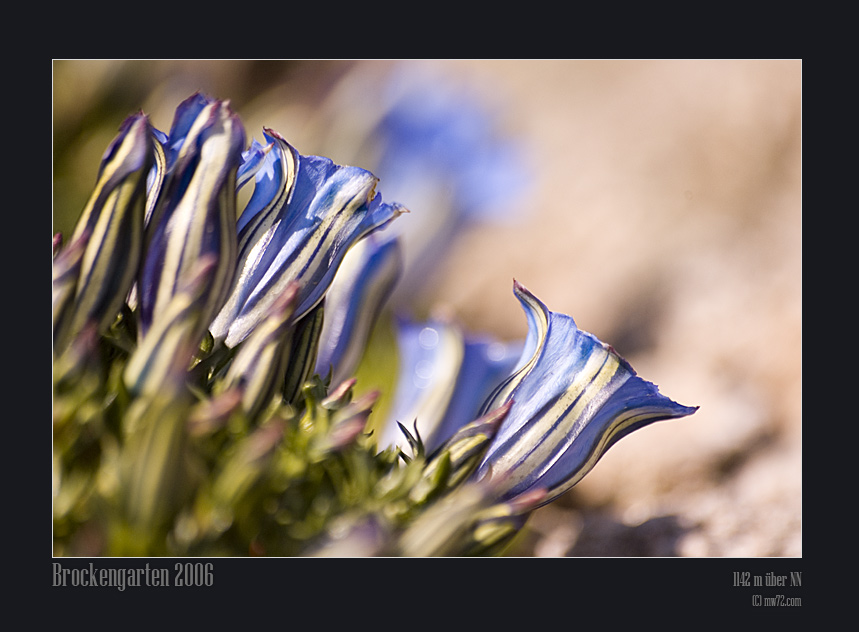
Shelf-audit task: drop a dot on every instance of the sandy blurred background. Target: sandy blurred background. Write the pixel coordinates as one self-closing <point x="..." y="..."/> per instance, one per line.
<point x="665" y="217"/>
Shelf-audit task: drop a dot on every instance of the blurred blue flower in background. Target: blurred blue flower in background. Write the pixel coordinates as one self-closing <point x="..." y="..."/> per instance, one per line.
<point x="438" y="147"/>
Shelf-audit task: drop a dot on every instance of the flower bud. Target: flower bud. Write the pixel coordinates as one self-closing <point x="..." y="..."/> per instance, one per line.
<point x="195" y="215"/>
<point x="110" y="233"/>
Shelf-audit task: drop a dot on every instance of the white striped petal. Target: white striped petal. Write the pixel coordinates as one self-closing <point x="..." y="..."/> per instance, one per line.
<point x="444" y="376"/>
<point x="352" y="304"/>
<point x="196" y="215"/>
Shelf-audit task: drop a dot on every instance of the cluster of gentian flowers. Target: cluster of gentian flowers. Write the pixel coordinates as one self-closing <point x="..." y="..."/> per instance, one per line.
<point x="204" y="393"/>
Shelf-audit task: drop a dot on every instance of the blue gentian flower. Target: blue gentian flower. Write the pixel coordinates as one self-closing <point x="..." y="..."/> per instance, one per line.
<point x="304" y="214"/>
<point x="227" y="442"/>
<point x="573" y="398"/>
<point x="440" y="150"/>
<point x="444" y="375"/>
<point x="433" y="129"/>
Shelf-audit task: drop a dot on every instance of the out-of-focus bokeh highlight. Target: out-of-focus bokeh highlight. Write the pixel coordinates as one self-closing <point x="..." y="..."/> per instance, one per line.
<point x="659" y="205"/>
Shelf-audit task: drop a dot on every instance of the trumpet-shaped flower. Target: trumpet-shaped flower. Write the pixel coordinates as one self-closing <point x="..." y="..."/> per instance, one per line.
<point x="573" y="398"/>
<point x="444" y="376"/>
<point x="303" y="216"/>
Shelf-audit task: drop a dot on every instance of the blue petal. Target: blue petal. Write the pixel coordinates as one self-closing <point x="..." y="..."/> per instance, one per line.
<point x="444" y="377"/>
<point x="353" y="302"/>
<point x="253" y="160"/>
<point x="184" y="117"/>
<point x="485" y="363"/>
<point x="637" y="403"/>
<point x="430" y="357"/>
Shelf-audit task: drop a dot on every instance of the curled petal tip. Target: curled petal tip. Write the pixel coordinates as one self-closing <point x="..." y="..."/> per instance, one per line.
<point x="273" y="133"/>
<point x="521" y="291"/>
